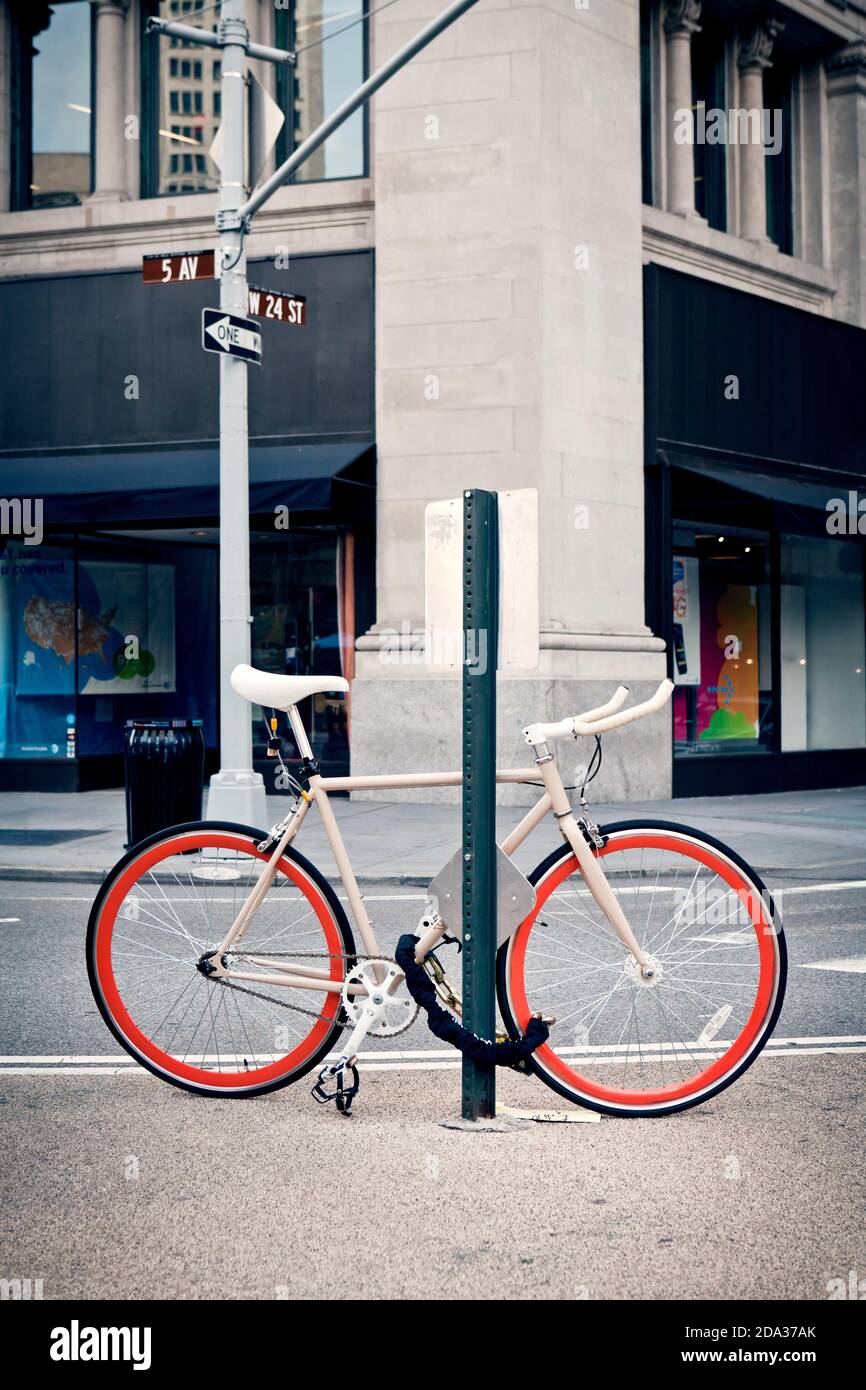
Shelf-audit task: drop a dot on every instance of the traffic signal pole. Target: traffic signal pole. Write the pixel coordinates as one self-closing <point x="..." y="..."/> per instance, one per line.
<point x="237" y="792"/>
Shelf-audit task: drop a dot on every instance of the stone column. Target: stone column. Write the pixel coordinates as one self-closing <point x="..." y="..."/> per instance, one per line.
<point x="681" y="21"/>
<point x="753" y="58"/>
<point x="509" y="354"/>
<point x="846" y="110"/>
<point x="110" y="85"/>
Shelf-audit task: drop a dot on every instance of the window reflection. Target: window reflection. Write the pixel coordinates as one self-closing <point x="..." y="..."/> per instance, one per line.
<point x="823" y="645"/>
<point x="330" y="44"/>
<point x="189" y="103"/>
<point x="60" y="170"/>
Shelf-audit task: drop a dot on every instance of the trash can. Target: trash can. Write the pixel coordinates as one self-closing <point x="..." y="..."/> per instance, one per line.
<point x="164" y="764"/>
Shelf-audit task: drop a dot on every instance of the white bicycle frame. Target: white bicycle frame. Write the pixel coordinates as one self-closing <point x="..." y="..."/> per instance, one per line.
<point x="554" y="799"/>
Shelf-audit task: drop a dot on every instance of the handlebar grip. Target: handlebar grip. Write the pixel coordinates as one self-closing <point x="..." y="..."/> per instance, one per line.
<point x="614" y="703"/>
<point x="616" y="721"/>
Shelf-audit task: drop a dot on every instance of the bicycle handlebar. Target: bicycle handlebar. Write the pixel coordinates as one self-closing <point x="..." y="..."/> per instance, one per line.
<point x="602" y="719"/>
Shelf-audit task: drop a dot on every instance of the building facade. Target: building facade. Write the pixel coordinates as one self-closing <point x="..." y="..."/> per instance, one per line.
<point x="614" y="252"/>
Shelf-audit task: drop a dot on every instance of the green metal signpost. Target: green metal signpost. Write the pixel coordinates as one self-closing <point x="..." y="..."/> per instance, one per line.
<point x="480" y="643"/>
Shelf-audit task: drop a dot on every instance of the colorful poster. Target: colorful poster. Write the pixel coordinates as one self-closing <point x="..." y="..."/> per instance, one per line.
<point x="728" y="704"/>
<point x="126" y="628"/>
<point x="687" y="620"/>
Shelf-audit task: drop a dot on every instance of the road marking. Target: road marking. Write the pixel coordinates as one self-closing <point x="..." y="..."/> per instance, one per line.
<point x="834" y="887"/>
<point x="830" y="1040"/>
<point x="133" y="1070"/>
<point x="10" y="919"/>
<point x="849" y="965"/>
<point x="417" y="1060"/>
<point x="296" y="897"/>
<point x="825" y="887"/>
<point x="728" y="938"/>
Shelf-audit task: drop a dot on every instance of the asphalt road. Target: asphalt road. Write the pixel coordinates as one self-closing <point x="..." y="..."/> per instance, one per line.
<point x="116" y="1185"/>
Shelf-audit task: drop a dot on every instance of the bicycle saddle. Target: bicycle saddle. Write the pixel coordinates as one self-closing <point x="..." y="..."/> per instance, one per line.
<point x="280" y="692"/>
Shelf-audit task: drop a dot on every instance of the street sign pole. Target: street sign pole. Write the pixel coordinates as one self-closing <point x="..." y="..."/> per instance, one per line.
<point x="237" y="793"/>
<point x="480" y="643"/>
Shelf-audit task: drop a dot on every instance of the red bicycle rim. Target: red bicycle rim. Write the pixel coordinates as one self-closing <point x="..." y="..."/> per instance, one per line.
<point x="164" y="1061"/>
<point x="747" y="1037"/>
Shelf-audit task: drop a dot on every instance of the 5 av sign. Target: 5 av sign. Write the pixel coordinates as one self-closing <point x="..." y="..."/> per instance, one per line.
<point x="166" y="269"/>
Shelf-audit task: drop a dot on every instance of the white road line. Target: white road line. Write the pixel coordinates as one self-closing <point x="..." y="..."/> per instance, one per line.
<point x="825" y="887"/>
<point x="836" y="1041"/>
<point x="409" y="1061"/>
<point x="133" y="1070"/>
<point x="833" y="887"/>
<point x="850" y="965"/>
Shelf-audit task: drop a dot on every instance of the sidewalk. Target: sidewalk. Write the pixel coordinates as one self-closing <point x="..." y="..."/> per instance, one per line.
<point x="813" y="836"/>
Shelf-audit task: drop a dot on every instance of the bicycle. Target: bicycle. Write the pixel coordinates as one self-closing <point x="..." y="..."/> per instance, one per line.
<point x="657" y="948"/>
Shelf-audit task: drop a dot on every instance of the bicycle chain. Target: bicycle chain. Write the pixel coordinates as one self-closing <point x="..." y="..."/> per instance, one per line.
<point x="295" y="955"/>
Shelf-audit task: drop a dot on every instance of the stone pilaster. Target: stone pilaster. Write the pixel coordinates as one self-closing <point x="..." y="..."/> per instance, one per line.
<point x="846" y="105"/>
<point x="681" y="21"/>
<point x="753" y="59"/>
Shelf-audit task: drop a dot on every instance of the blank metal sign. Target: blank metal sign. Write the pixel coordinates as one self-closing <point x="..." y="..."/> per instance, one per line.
<point x="518" y="582"/>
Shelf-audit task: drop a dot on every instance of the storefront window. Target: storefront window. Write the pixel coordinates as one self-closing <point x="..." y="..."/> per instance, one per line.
<point x="721" y="640"/>
<point x="823" y="644"/>
<point x="330" y="45"/>
<point x="139" y="648"/>
<point x="51" y="104"/>
<point x="296" y="631"/>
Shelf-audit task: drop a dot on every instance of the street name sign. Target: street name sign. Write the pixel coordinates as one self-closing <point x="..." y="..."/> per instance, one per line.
<point x="168" y="267"/>
<point x="228" y="333"/>
<point x="282" y="308"/>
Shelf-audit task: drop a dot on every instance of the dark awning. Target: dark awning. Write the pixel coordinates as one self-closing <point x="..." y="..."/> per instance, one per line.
<point x="797" y="489"/>
<point x="145" y="486"/>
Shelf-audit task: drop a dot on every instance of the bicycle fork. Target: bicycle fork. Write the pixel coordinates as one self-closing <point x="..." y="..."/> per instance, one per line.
<point x="589" y="865"/>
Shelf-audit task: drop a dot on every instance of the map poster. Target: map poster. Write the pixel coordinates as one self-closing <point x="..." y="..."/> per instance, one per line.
<point x="40" y="589"/>
<point x="126" y="638"/>
<point x="126" y="628"/>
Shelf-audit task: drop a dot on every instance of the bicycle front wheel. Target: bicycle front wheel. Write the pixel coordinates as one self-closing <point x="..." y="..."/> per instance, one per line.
<point x="623" y="1045"/>
<point x="172" y="900"/>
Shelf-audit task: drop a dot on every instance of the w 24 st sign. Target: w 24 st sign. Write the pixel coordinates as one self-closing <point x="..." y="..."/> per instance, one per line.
<point x="282" y="308"/>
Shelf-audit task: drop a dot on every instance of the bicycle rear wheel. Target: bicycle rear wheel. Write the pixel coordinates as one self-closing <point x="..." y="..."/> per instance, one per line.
<point x="170" y="901"/>
<point x="623" y="1046"/>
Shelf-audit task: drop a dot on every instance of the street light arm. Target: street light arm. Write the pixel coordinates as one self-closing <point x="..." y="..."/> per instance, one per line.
<point x="352" y="103"/>
<point x="190" y="34"/>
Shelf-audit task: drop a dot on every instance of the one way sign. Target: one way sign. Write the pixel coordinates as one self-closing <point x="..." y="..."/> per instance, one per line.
<point x="228" y="333"/>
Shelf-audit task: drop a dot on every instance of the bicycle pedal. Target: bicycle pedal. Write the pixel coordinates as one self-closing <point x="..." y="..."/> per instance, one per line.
<point x="343" y="1095"/>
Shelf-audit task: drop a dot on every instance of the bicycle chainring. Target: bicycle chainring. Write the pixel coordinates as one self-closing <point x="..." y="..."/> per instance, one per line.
<point x="400" y="1009"/>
